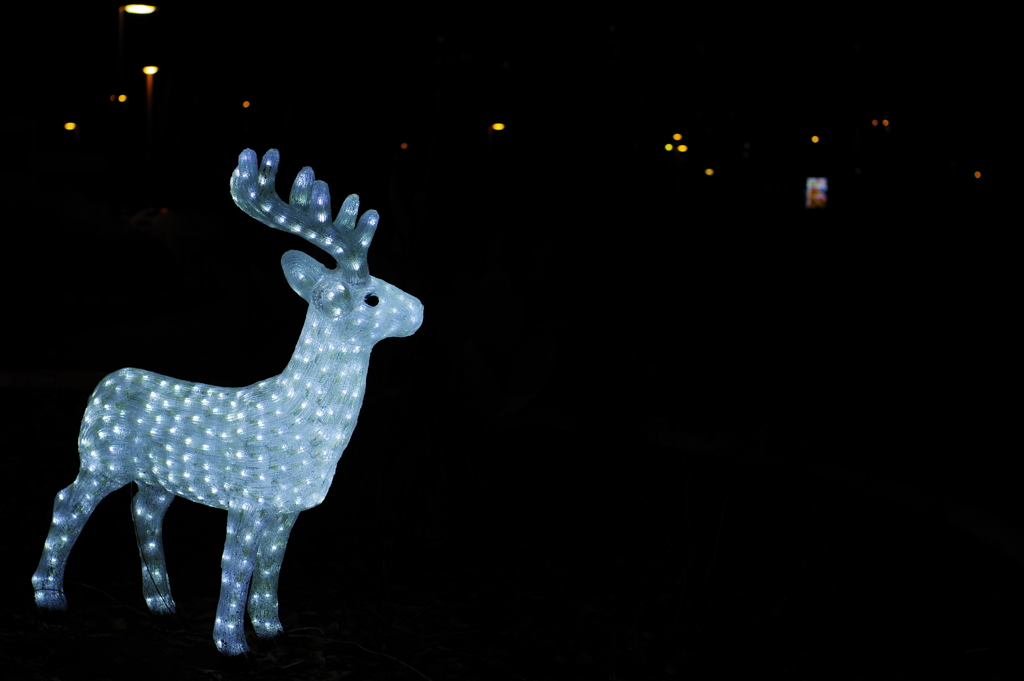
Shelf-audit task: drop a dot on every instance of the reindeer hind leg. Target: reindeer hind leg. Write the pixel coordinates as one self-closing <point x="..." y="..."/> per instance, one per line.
<point x="71" y="510"/>
<point x="148" y="508"/>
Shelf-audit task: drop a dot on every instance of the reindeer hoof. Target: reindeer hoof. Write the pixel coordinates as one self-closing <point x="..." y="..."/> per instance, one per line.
<point x="53" y="620"/>
<point x="168" y="623"/>
<point x="267" y="644"/>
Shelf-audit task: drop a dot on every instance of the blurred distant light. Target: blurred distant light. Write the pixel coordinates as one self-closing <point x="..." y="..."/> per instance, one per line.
<point x="885" y="122"/>
<point x="498" y="126"/>
<point x="403" y="145"/>
<point x="977" y="173"/>
<point x="874" y="121"/>
<point x="122" y="98"/>
<point x="814" y="138"/>
<point x="677" y="137"/>
<point x="140" y="9"/>
<point x="113" y="98"/>
<point x="245" y="104"/>
<point x="746" y="145"/>
<point x="856" y="171"/>
<point x="816" y="195"/>
<point x="682" y="147"/>
<point x="669" y="147"/>
<point x="149" y="70"/>
<point x="70" y="126"/>
<point x="709" y="171"/>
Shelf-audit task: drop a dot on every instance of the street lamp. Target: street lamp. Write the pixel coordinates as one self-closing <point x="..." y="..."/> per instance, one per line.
<point x="490" y="135"/>
<point x="149" y="71"/>
<point x="130" y="9"/>
<point x="73" y="127"/>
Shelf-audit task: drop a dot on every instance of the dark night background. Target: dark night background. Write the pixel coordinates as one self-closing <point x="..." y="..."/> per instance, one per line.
<point x="656" y="423"/>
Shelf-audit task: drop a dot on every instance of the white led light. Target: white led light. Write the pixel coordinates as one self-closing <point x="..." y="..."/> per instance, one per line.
<point x="261" y="473"/>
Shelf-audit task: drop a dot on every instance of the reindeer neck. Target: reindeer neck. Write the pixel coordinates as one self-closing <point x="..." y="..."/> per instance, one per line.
<point x="327" y="371"/>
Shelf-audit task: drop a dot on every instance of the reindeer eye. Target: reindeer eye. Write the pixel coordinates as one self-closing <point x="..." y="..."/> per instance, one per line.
<point x="371" y="300"/>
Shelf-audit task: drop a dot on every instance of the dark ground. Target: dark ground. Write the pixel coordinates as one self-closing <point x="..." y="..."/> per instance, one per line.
<point x="725" y="561"/>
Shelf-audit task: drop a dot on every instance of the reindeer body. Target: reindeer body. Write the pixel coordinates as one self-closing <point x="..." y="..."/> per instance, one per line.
<point x="265" y="452"/>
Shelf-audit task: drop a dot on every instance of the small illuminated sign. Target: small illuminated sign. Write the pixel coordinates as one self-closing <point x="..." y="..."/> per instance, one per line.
<point x="817" y="192"/>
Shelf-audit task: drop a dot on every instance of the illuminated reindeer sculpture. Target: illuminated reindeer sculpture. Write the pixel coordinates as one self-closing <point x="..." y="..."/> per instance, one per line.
<point x="265" y="452"/>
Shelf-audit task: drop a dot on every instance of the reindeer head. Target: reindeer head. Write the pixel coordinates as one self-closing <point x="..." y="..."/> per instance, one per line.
<point x="347" y="295"/>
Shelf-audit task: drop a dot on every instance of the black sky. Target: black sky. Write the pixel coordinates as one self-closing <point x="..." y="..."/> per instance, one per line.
<point x="589" y="102"/>
<point x="774" y="74"/>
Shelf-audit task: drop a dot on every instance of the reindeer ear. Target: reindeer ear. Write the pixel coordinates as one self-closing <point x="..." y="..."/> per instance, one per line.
<point x="302" y="272"/>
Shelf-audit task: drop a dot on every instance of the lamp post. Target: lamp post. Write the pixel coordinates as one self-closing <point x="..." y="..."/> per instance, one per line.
<point x="490" y="140"/>
<point x="74" y="128"/>
<point x="130" y="9"/>
<point x="149" y="71"/>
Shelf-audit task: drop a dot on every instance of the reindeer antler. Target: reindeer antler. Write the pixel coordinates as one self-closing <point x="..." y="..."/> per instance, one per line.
<point x="307" y="213"/>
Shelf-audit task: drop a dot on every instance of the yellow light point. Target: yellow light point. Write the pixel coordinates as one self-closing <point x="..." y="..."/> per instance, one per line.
<point x="709" y="171"/>
<point x="669" y="147"/>
<point x="814" y="138"/>
<point x="403" y="145"/>
<point x="885" y="122"/>
<point x="245" y="104"/>
<point x="140" y="9"/>
<point x="874" y="122"/>
<point x="149" y="70"/>
<point x="122" y="98"/>
<point x="498" y="126"/>
<point x="977" y="173"/>
<point x="677" y="137"/>
<point x="70" y="126"/>
<point x="682" y="147"/>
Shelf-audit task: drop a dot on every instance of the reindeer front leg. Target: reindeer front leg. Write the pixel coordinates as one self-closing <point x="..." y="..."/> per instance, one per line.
<point x="263" y="593"/>
<point x="148" y="508"/>
<point x="236" y="568"/>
